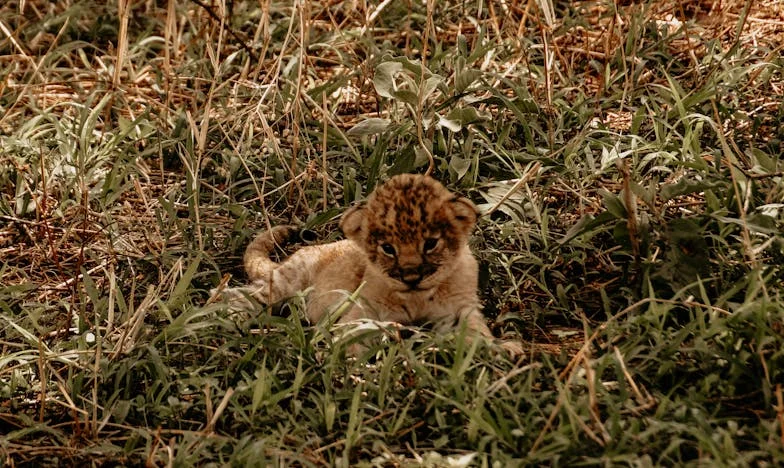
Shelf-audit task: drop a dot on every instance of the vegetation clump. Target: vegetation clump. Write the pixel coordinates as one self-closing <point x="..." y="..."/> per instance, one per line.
<point x="625" y="156"/>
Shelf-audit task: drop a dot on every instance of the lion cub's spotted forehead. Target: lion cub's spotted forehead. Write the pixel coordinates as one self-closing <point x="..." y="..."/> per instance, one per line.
<point x="408" y="204"/>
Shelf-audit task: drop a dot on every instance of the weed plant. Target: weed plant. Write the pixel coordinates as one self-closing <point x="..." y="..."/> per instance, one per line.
<point x="626" y="156"/>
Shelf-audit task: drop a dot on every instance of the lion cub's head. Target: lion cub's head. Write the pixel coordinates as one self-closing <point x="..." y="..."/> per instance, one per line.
<point x="412" y="229"/>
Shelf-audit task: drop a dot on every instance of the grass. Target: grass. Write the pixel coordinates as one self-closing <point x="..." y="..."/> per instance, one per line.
<point x="627" y="157"/>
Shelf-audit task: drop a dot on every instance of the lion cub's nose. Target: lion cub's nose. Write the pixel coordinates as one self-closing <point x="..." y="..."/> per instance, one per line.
<point x="411" y="276"/>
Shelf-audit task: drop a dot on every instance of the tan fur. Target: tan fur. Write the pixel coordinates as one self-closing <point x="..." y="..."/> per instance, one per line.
<point x="408" y="248"/>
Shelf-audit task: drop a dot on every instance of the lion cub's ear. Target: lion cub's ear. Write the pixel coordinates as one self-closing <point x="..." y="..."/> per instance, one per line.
<point x="465" y="214"/>
<point x="353" y="221"/>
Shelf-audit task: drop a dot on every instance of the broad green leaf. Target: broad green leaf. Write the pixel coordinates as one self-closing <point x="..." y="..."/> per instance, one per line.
<point x="404" y="162"/>
<point x="430" y="85"/>
<point x="459" y="118"/>
<point x="764" y="161"/>
<point x="613" y="204"/>
<point x="685" y="186"/>
<point x="408" y="97"/>
<point x="384" y="78"/>
<point x="459" y="165"/>
<point x="587" y="224"/>
<point x="465" y="79"/>
<point x="449" y="124"/>
<point x="370" y="126"/>
<point x="758" y="223"/>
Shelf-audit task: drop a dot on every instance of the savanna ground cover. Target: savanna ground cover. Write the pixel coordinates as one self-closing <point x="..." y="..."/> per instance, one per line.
<point x="626" y="157"/>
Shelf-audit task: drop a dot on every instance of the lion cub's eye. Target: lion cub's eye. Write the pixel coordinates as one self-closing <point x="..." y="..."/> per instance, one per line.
<point x="388" y="249"/>
<point x="430" y="244"/>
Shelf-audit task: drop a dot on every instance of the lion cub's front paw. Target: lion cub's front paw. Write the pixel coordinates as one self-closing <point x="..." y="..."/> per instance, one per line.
<point x="514" y="348"/>
<point x="240" y="297"/>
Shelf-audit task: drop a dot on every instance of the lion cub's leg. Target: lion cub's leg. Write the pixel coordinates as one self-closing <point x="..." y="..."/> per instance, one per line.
<point x="328" y="302"/>
<point x="272" y="282"/>
<point x="286" y="279"/>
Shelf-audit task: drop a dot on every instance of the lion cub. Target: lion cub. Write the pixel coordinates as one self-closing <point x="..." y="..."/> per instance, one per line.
<point x="407" y="246"/>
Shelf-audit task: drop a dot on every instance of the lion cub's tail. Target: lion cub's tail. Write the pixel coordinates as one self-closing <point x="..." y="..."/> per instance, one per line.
<point x="258" y="264"/>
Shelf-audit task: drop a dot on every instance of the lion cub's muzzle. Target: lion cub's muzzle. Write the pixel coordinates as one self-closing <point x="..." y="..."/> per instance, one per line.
<point x="412" y="276"/>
